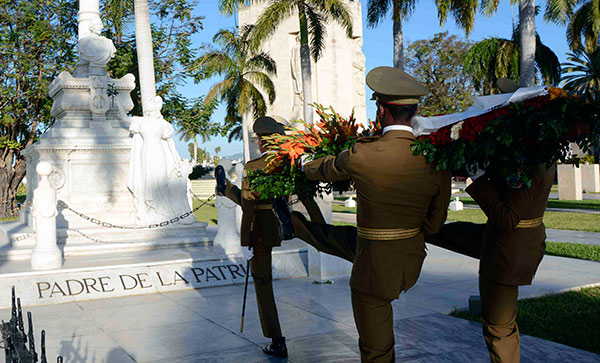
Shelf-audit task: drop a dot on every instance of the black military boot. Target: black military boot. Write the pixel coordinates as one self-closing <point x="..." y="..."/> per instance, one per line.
<point x="277" y="348"/>
<point x="282" y="211"/>
<point x="221" y="180"/>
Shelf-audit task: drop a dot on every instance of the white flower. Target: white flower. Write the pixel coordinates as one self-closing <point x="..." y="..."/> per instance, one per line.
<point x="455" y="130"/>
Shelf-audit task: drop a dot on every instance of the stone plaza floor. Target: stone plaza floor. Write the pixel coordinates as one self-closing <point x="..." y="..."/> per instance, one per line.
<point x="203" y="325"/>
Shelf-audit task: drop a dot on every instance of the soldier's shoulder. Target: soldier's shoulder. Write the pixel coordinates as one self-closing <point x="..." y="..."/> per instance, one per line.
<point x="365" y="143"/>
<point x="255" y="164"/>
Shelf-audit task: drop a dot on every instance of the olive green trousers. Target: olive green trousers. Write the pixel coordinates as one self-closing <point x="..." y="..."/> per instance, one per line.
<point x="262" y="274"/>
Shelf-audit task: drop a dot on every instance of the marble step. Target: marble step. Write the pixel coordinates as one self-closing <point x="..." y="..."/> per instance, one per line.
<point x="134" y="273"/>
<point x="93" y="241"/>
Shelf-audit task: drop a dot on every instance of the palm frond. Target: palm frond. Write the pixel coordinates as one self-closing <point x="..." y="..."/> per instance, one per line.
<point x="262" y="62"/>
<point x="269" y="21"/>
<point x="210" y="64"/>
<point x="559" y="11"/>
<point x="219" y="90"/>
<point x="236" y="133"/>
<point x="489" y="7"/>
<point x="463" y="12"/>
<point x="335" y="10"/>
<point x="547" y="63"/>
<point x="583" y="29"/>
<point x="376" y="11"/>
<point x="316" y="31"/>
<point x="263" y="82"/>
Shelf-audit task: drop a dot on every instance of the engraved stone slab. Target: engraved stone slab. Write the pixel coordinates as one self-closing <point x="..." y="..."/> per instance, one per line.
<point x="69" y="285"/>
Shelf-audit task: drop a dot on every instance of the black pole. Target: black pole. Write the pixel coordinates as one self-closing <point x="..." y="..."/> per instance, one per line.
<point x="245" y="295"/>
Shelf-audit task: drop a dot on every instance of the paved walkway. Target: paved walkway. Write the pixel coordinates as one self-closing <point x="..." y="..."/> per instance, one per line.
<point x="590" y="238"/>
<point x="203" y="325"/>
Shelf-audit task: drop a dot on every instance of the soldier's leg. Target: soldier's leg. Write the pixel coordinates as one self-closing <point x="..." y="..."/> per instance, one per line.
<point x="374" y="321"/>
<point x="499" y="312"/>
<point x="461" y="237"/>
<point x="263" y="284"/>
<point x="339" y="241"/>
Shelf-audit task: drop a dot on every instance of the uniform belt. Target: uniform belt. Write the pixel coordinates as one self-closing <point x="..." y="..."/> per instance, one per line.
<point x="263" y="207"/>
<point x="530" y="223"/>
<point x="387" y="234"/>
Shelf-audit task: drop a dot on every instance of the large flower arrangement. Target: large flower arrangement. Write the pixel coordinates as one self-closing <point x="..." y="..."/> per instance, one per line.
<point x="331" y="135"/>
<point x="512" y="139"/>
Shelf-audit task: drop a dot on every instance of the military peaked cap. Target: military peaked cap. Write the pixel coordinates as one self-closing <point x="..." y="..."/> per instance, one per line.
<point x="267" y="126"/>
<point x="393" y="86"/>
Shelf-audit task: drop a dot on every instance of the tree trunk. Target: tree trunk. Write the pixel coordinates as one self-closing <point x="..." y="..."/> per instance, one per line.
<point x="195" y="150"/>
<point x="527" y="34"/>
<point x="143" y="41"/>
<point x="305" y="68"/>
<point x="10" y="179"/>
<point x="398" y="37"/>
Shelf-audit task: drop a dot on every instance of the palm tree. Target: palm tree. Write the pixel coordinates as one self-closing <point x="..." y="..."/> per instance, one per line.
<point x="462" y="11"/>
<point x="494" y="58"/>
<point x="143" y="40"/>
<point x="582" y="74"/>
<point x="313" y="16"/>
<point x="118" y="14"/>
<point x="583" y="27"/>
<point x="246" y="76"/>
<point x="527" y="37"/>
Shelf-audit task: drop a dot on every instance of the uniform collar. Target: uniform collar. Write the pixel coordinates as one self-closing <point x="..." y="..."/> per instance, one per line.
<point x="398" y="128"/>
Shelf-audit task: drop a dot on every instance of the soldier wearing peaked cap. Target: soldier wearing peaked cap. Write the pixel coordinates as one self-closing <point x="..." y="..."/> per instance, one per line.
<point x="400" y="200"/>
<point x="260" y="231"/>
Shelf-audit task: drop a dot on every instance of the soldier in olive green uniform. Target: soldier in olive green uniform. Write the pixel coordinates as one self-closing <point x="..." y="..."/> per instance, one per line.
<point x="510" y="247"/>
<point x="260" y="231"/>
<point x="400" y="198"/>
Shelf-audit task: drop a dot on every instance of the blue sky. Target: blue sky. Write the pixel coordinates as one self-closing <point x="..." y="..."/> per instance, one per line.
<point x="422" y="24"/>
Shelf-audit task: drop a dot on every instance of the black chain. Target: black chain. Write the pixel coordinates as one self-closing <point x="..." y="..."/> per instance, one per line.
<point x="62" y="205"/>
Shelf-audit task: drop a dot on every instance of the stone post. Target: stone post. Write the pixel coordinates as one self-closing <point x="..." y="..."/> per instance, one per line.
<point x="228" y="237"/>
<point x="89" y="11"/>
<point x="590" y="178"/>
<point x="46" y="255"/>
<point x="569" y="182"/>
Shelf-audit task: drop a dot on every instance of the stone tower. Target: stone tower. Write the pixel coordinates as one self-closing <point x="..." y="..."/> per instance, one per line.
<point x="338" y="76"/>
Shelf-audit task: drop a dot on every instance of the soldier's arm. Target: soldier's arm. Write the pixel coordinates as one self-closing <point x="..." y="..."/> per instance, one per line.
<point x="438" y="208"/>
<point x="234" y="193"/>
<point x="501" y="214"/>
<point x="314" y="212"/>
<point x="329" y="168"/>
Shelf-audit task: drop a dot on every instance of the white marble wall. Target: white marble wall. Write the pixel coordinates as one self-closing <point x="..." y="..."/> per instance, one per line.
<point x="569" y="182"/>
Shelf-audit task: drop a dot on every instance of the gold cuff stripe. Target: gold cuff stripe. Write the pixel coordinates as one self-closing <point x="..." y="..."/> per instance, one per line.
<point x="530" y="223"/>
<point x="383" y="234"/>
<point x="264" y="207"/>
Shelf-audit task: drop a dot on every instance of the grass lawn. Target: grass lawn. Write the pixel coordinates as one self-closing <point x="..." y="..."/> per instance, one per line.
<point x="573" y="250"/>
<point x="570" y="318"/>
<point x="207" y="213"/>
<point x="554" y="220"/>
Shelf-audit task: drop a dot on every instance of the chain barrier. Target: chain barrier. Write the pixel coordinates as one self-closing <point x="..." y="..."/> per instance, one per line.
<point x="62" y="205"/>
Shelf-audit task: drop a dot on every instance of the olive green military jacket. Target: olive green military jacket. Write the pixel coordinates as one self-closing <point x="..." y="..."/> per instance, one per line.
<point x="510" y="254"/>
<point x="395" y="189"/>
<point x="259" y="223"/>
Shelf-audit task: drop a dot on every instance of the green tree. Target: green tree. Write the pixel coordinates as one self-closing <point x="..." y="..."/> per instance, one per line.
<point x="37" y="42"/>
<point x="583" y="29"/>
<point x="313" y="16"/>
<point x="438" y="62"/>
<point x="246" y="76"/>
<point x="173" y="26"/>
<point x="462" y="11"/>
<point x="494" y="58"/>
<point x="194" y="120"/>
<point x="528" y="39"/>
<point x="582" y="74"/>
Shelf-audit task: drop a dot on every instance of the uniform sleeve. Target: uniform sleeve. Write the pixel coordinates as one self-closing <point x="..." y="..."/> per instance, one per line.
<point x="438" y="208"/>
<point x="329" y="168"/>
<point x="501" y="214"/>
<point x="234" y="193"/>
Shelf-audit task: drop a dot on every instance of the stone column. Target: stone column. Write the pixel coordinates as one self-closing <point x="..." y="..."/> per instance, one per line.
<point x="590" y="177"/>
<point x="569" y="182"/>
<point x="46" y="255"/>
<point x="89" y="11"/>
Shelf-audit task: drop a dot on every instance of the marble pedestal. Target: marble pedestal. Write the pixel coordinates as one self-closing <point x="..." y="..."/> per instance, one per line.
<point x="569" y="182"/>
<point x="590" y="178"/>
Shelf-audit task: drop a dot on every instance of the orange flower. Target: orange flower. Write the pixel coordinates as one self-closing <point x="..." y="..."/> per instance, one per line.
<point x="555" y="93"/>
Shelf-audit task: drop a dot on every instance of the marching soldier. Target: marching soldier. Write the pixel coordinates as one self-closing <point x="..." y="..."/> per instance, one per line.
<point x="400" y="198"/>
<point x="510" y="247"/>
<point x="260" y="231"/>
